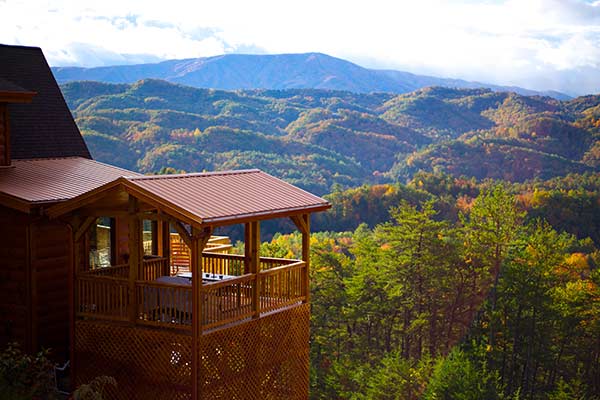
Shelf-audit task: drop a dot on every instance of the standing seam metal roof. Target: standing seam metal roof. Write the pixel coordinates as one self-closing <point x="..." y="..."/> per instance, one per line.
<point x="55" y="179"/>
<point x="230" y="195"/>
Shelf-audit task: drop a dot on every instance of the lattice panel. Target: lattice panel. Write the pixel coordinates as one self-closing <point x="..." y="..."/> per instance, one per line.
<point x="262" y="359"/>
<point x="147" y="363"/>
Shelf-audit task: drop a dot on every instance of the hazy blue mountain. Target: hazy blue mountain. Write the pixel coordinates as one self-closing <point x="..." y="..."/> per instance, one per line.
<point x="282" y="71"/>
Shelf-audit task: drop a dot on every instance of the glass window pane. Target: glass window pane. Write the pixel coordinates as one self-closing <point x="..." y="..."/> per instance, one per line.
<point x="149" y="237"/>
<point x="100" y="243"/>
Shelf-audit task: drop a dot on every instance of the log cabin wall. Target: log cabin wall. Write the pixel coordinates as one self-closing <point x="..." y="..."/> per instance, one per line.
<point x="14" y="286"/>
<point x="50" y="257"/>
<point x="4" y="136"/>
<point x="34" y="267"/>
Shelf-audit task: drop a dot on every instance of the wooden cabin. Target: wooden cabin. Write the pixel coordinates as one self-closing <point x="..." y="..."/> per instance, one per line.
<point x="40" y="146"/>
<point x="120" y="273"/>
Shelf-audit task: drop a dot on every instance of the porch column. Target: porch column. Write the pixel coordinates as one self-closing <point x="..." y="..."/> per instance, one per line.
<point x="252" y="261"/>
<point x="79" y="227"/>
<point x="135" y="255"/>
<point x="306" y="255"/>
<point x="164" y="245"/>
<point x="302" y="222"/>
<point x="198" y="242"/>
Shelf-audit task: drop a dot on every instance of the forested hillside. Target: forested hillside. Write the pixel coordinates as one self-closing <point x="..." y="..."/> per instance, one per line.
<point x="428" y="279"/>
<point x="322" y="139"/>
<point x="463" y="290"/>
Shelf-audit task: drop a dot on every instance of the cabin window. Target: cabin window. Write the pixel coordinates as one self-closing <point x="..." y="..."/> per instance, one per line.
<point x="102" y="243"/>
<point x="150" y="237"/>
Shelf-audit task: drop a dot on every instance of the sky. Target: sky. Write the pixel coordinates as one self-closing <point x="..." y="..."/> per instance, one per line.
<point x="536" y="44"/>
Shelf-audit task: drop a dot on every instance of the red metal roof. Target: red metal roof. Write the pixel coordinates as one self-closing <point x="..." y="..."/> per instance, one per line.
<point x="209" y="198"/>
<point x="55" y="179"/>
<point x="228" y="196"/>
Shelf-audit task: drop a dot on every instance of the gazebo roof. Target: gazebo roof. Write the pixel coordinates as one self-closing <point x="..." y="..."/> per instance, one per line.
<point x="216" y="198"/>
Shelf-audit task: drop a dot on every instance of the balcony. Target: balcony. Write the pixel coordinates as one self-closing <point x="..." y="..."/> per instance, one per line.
<point x="163" y="300"/>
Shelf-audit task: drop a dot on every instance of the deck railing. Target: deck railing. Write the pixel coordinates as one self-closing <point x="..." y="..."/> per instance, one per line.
<point x="279" y="284"/>
<point x="102" y="297"/>
<point x="215" y="263"/>
<point x="121" y="270"/>
<point x="152" y="268"/>
<point x="163" y="304"/>
<point x="267" y="263"/>
<point x="227" y="301"/>
<point x="223" y="264"/>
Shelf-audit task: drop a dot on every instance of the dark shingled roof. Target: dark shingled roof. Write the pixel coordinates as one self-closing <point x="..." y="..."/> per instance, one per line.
<point x="7" y="86"/>
<point x="44" y="127"/>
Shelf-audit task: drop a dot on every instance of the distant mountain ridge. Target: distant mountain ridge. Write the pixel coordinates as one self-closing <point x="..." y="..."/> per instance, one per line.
<point x="280" y="71"/>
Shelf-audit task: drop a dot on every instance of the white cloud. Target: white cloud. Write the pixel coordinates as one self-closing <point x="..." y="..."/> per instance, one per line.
<point x="506" y="42"/>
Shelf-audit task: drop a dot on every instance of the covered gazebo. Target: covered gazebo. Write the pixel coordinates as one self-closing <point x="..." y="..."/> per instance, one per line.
<point x="232" y="327"/>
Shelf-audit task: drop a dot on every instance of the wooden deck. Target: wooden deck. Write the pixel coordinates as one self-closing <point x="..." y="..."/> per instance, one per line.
<point x="104" y="293"/>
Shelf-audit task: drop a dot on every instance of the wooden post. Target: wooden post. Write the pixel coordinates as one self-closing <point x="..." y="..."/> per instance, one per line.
<point x="306" y="255"/>
<point x="135" y="255"/>
<point x="164" y="245"/>
<point x="255" y="265"/>
<point x="247" y="250"/>
<point x="198" y="242"/>
<point x="78" y="228"/>
<point x="302" y="222"/>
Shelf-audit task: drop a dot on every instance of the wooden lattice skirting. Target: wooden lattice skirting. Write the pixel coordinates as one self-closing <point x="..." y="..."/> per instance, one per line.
<point x="265" y="358"/>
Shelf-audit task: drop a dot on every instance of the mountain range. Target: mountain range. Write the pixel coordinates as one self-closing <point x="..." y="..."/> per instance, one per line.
<point x="282" y="71"/>
<point x="323" y="139"/>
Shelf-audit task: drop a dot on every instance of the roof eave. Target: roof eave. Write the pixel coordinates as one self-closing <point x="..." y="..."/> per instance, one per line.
<point x="76" y="202"/>
<point x="269" y="214"/>
<point x="131" y="188"/>
<point x="162" y="204"/>
<point x="129" y="185"/>
<point x="15" y="203"/>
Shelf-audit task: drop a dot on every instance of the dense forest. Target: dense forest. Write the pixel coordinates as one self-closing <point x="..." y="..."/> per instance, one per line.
<point x="321" y="139"/>
<point x="463" y="291"/>
<point x="460" y="257"/>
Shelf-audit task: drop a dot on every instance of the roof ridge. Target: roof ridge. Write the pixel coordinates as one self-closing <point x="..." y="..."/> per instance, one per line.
<point x="191" y="175"/>
<point x="20" y="46"/>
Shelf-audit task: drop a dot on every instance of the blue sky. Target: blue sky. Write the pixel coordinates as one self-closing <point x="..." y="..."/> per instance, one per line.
<point x="538" y="44"/>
